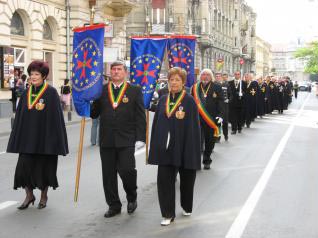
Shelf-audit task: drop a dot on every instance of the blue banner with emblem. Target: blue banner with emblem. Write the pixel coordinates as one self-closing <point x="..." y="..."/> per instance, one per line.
<point x="181" y="52"/>
<point x="87" y="67"/>
<point x="145" y="64"/>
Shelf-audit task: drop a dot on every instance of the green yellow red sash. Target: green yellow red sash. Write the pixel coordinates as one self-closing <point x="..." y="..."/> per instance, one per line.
<point x="115" y="102"/>
<point x="31" y="102"/>
<point x="171" y="110"/>
<point x="203" y="112"/>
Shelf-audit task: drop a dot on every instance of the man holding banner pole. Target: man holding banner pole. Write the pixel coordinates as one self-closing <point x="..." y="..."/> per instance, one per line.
<point x="122" y="130"/>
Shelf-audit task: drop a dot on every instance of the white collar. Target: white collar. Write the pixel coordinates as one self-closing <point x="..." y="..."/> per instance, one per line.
<point x="117" y="86"/>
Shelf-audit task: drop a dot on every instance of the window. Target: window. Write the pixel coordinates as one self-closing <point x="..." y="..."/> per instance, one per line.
<point x="17" y="27"/>
<point x="47" y="32"/>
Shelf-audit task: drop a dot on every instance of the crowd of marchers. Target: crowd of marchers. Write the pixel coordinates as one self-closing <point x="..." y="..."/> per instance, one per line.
<point x="187" y="123"/>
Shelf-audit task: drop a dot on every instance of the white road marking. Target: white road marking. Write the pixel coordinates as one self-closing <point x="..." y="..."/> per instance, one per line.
<point x="239" y="224"/>
<point x="7" y="204"/>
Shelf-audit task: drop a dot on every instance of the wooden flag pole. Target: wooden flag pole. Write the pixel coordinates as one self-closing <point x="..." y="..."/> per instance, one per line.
<point x="79" y="159"/>
<point x="80" y="147"/>
<point x="147" y="135"/>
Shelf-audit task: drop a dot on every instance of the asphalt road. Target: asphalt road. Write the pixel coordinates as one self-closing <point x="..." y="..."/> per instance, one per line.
<point x="263" y="183"/>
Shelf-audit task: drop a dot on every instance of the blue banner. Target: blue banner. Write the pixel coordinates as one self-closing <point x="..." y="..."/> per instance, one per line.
<point x="145" y="64"/>
<point x="181" y="52"/>
<point x="87" y="67"/>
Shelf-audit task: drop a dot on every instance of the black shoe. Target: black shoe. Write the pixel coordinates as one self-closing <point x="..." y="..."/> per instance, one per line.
<point x="248" y="125"/>
<point x="239" y="131"/>
<point x="42" y="204"/>
<point x="206" y="166"/>
<point x="226" y="138"/>
<point x="111" y="213"/>
<point x="131" y="207"/>
<point x="26" y="205"/>
<point x="233" y="132"/>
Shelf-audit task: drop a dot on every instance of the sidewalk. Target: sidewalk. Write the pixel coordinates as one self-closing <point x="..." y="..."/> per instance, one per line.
<point x="5" y="123"/>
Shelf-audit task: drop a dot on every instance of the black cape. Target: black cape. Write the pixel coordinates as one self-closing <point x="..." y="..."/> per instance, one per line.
<point x="39" y="131"/>
<point x="183" y="148"/>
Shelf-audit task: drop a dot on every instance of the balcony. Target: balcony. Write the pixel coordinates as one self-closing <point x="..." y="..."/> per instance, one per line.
<point x="118" y="8"/>
<point x="236" y="51"/>
<point x="205" y="41"/>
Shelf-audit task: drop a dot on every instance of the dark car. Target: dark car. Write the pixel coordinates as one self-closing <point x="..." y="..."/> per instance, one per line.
<point x="303" y="86"/>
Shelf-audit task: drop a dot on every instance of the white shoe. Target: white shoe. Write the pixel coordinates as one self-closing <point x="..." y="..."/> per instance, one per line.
<point x="184" y="213"/>
<point x="166" y="221"/>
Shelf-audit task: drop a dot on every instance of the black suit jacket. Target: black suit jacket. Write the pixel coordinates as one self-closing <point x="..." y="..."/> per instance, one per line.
<point x="236" y="100"/>
<point x="123" y="126"/>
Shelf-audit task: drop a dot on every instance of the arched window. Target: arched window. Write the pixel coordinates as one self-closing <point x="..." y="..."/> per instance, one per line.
<point x="47" y="32"/>
<point x="17" y="27"/>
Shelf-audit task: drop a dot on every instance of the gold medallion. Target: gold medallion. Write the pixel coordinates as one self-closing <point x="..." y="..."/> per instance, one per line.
<point x="39" y="106"/>
<point x="180" y="113"/>
<point x="214" y="95"/>
<point x="125" y="99"/>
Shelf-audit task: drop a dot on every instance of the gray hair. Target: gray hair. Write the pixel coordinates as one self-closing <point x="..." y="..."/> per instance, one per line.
<point x="208" y="71"/>
<point x="119" y="62"/>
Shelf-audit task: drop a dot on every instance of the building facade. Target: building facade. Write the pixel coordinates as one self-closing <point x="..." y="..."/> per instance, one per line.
<point x="225" y="29"/>
<point x="285" y="64"/>
<point x="263" y="62"/>
<point x="42" y="29"/>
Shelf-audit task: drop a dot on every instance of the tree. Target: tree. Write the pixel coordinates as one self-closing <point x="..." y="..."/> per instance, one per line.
<point x="310" y="53"/>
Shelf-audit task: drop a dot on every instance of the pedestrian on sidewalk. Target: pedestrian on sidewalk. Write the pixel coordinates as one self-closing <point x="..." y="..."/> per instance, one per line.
<point x="175" y="146"/>
<point x="122" y="131"/>
<point x="66" y="95"/>
<point x="38" y="136"/>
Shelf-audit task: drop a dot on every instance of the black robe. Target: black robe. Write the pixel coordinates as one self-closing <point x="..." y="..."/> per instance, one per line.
<point x="261" y="99"/>
<point x="39" y="131"/>
<point x="280" y="90"/>
<point x="251" y="101"/>
<point x="183" y="150"/>
<point x="272" y="96"/>
<point x="124" y="125"/>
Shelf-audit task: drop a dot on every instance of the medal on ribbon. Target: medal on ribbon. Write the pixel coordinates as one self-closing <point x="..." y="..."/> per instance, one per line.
<point x="34" y="102"/>
<point x="171" y="109"/>
<point x="116" y="101"/>
<point x="180" y="113"/>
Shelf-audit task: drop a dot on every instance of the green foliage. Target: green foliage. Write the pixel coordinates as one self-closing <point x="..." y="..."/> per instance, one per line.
<point x="309" y="53"/>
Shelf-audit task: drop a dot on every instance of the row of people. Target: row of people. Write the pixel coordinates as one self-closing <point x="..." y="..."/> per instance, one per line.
<point x="182" y="122"/>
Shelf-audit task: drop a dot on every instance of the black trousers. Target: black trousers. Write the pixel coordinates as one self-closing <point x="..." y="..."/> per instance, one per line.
<point x="225" y="123"/>
<point x="121" y="161"/>
<point x="237" y="118"/>
<point x="208" y="141"/>
<point x="167" y="192"/>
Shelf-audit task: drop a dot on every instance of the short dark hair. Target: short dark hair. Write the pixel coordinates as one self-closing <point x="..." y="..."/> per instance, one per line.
<point x="39" y="66"/>
<point x="118" y="62"/>
<point x="23" y="77"/>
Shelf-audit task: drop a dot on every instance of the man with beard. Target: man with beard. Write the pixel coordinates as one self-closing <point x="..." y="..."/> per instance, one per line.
<point x="209" y="98"/>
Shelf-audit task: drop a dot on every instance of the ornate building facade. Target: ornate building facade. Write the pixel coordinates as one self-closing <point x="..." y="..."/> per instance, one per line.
<point x="263" y="63"/>
<point x="225" y="29"/>
<point x="42" y="29"/>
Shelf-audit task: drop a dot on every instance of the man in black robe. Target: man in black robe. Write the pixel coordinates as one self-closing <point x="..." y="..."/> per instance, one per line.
<point x="261" y="100"/>
<point x="122" y="129"/>
<point x="210" y="99"/>
<point x="237" y="103"/>
<point x="250" y="99"/>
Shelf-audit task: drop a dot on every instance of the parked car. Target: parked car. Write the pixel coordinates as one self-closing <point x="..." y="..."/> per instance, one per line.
<point x="303" y="86"/>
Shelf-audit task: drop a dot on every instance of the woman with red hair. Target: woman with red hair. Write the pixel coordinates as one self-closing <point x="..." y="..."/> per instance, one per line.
<point x="38" y="136"/>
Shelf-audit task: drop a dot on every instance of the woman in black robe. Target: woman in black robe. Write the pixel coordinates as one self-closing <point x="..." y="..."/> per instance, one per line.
<point x="38" y="135"/>
<point x="175" y="146"/>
